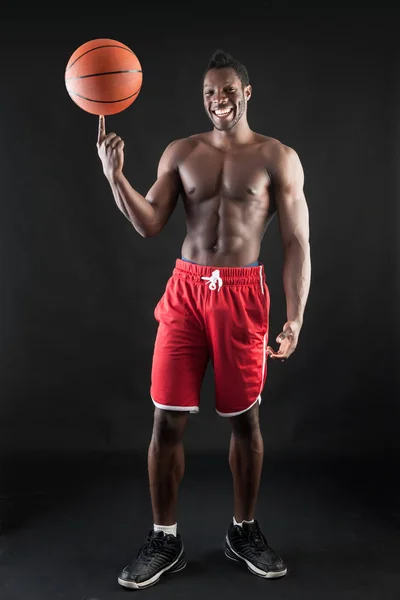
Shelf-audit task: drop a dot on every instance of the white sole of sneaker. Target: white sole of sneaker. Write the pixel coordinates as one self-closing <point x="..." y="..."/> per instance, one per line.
<point x="174" y="568"/>
<point x="251" y="567"/>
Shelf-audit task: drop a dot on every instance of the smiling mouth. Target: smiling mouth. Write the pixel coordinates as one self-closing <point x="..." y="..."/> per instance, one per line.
<point x="222" y="113"/>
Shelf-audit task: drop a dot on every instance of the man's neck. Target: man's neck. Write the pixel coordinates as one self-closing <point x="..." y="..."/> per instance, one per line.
<point x="239" y="135"/>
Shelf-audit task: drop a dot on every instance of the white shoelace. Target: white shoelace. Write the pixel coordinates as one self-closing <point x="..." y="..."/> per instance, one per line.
<point x="214" y="280"/>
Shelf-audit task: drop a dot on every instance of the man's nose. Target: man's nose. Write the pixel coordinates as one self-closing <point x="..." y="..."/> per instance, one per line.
<point x="220" y="97"/>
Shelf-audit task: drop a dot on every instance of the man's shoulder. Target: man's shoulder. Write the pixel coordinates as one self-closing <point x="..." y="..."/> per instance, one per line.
<point x="182" y="146"/>
<point x="273" y="145"/>
<point x="277" y="154"/>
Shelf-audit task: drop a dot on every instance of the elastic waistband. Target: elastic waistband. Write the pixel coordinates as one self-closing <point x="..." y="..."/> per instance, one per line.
<point x="229" y="275"/>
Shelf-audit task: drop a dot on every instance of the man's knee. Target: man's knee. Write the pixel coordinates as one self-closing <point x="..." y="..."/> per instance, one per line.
<point x="169" y="426"/>
<point x="247" y="424"/>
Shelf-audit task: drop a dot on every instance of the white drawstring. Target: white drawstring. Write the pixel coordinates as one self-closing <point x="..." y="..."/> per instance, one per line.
<point x="214" y="280"/>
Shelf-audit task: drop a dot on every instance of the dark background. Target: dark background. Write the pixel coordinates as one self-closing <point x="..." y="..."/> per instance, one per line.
<point x="79" y="285"/>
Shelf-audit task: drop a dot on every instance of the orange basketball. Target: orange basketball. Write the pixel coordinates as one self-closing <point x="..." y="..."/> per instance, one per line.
<point x="103" y="77"/>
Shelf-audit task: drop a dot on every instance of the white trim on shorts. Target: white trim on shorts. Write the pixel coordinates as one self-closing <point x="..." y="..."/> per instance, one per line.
<point x="240" y="412"/>
<point x="264" y="361"/>
<point x="191" y="409"/>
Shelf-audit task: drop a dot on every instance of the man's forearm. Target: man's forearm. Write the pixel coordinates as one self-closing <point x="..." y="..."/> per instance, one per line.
<point x="134" y="206"/>
<point x="296" y="278"/>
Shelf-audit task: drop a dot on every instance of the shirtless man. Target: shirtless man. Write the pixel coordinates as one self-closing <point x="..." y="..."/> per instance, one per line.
<point x="216" y="304"/>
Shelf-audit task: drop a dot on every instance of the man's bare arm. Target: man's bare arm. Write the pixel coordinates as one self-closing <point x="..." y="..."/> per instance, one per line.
<point x="293" y="215"/>
<point x="147" y="214"/>
<point x="151" y="213"/>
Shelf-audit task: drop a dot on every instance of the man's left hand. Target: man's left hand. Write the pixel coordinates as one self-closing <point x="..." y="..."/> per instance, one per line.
<point x="287" y="341"/>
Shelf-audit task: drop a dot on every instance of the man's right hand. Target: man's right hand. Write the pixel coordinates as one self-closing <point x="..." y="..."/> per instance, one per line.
<point x="110" y="149"/>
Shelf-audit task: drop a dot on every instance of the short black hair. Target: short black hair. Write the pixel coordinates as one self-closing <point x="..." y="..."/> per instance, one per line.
<point x="222" y="60"/>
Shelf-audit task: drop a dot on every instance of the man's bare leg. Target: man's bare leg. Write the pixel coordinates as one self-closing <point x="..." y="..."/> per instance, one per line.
<point x="245" y="541"/>
<point x="163" y="549"/>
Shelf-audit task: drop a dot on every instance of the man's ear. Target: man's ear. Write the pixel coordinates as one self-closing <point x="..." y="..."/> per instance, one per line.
<point x="247" y="92"/>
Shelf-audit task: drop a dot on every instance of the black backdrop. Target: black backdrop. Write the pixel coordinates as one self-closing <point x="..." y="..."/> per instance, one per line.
<point x="79" y="285"/>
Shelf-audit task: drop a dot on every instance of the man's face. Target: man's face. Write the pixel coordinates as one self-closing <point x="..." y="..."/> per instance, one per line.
<point x="224" y="98"/>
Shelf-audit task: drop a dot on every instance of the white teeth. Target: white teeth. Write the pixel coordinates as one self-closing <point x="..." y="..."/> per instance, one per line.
<point x="222" y="113"/>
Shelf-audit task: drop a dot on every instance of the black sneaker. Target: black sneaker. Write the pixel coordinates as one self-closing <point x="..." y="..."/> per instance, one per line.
<point x="248" y="544"/>
<point x="160" y="553"/>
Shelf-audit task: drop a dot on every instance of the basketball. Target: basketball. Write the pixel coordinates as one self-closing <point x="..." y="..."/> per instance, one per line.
<point x="103" y="77"/>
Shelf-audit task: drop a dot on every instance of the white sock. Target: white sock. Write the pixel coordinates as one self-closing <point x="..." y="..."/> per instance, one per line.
<point x="167" y="529"/>
<point x="241" y="523"/>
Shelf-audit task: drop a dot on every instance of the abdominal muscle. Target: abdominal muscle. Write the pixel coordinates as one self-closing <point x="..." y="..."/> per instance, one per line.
<point x="223" y="232"/>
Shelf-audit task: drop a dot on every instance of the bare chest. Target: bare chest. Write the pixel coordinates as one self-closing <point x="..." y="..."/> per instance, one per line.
<point x="239" y="176"/>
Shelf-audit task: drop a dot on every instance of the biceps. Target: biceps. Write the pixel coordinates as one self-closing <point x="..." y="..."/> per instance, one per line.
<point x="293" y="218"/>
<point x="164" y="194"/>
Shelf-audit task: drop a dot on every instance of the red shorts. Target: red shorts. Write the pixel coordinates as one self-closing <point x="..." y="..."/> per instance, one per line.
<point x="211" y="313"/>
